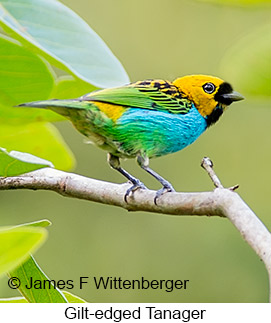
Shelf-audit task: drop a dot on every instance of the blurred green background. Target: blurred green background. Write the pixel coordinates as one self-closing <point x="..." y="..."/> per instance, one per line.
<point x="163" y="39"/>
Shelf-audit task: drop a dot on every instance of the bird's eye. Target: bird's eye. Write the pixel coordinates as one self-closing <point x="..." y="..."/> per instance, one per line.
<point x="209" y="88"/>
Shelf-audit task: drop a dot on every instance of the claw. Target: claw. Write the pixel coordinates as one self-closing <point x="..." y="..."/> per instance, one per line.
<point x="133" y="188"/>
<point x="163" y="190"/>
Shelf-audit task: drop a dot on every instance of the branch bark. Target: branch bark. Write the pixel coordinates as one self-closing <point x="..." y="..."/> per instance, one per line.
<point x="220" y="202"/>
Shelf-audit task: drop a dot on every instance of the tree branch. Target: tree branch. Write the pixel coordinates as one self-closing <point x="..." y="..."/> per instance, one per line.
<point x="220" y="202"/>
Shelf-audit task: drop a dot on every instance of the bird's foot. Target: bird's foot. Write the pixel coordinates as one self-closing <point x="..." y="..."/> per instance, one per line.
<point x="166" y="188"/>
<point x="136" y="185"/>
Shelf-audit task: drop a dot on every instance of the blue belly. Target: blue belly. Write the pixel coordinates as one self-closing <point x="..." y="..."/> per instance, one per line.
<point x="157" y="133"/>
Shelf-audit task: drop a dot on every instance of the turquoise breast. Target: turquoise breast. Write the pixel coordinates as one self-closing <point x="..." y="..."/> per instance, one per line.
<point x="157" y="133"/>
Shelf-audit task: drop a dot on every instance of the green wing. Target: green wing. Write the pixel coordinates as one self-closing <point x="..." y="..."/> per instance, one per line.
<point x="151" y="94"/>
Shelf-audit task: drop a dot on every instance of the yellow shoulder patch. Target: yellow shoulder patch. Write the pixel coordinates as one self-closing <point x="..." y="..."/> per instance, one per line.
<point x="113" y="111"/>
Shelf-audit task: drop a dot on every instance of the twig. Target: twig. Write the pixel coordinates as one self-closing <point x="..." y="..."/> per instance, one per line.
<point x="207" y="164"/>
<point x="220" y="202"/>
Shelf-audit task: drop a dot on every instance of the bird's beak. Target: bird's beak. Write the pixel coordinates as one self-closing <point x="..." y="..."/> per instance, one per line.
<point x="232" y="96"/>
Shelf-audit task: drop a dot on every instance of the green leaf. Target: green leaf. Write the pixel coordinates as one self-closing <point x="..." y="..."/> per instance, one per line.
<point x="248" y="63"/>
<point x="59" y="34"/>
<point x="13" y="300"/>
<point x="24" y="77"/>
<point x="40" y="224"/>
<point x="68" y="87"/>
<point x="15" y="162"/>
<point x="239" y="2"/>
<point x="70" y="298"/>
<point x="73" y="298"/>
<point x="30" y="270"/>
<point x="17" y="243"/>
<point x="40" y="139"/>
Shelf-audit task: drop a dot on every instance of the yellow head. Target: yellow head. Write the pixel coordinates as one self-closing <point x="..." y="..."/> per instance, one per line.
<point x="207" y="92"/>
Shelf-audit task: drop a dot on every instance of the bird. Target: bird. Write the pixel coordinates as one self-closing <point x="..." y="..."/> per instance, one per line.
<point x="146" y="119"/>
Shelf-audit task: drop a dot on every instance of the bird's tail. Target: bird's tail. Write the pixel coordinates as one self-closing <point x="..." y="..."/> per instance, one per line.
<point x="62" y="107"/>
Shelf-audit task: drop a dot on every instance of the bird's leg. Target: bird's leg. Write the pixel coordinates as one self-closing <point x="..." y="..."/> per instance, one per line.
<point x="143" y="162"/>
<point x="115" y="164"/>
